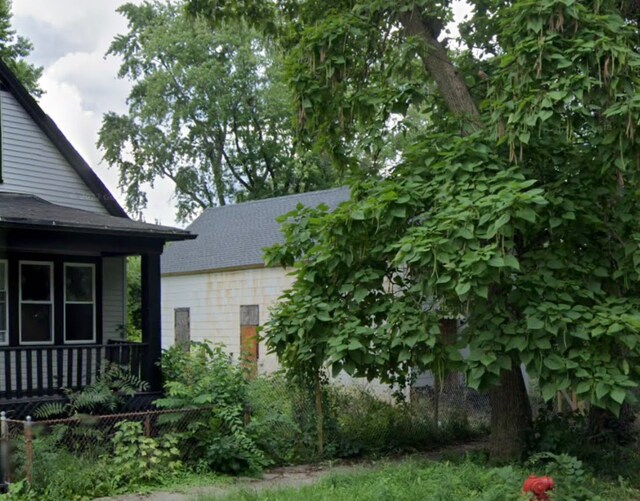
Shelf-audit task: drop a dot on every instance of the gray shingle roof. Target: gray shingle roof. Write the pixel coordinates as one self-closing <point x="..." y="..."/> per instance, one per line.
<point x="234" y="236"/>
<point x="31" y="212"/>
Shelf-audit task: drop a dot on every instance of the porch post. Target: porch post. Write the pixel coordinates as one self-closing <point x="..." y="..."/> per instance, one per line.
<point x="151" y="320"/>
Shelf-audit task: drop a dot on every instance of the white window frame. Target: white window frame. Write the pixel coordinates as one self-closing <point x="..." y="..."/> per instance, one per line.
<point x="92" y="302"/>
<point x="50" y="302"/>
<point x="5" y="287"/>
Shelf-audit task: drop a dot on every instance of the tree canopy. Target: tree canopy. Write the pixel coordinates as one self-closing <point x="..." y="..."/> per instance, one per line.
<point x="514" y="206"/>
<point x="208" y="110"/>
<point x="14" y="49"/>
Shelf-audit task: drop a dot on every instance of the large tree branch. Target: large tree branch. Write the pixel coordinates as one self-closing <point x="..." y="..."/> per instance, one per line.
<point x="236" y="135"/>
<point x="265" y="157"/>
<point x="451" y="85"/>
<point x="182" y="187"/>
<point x="234" y="172"/>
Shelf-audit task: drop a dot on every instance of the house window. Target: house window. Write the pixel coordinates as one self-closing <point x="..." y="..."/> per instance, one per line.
<point x="4" y="319"/>
<point x="36" y="302"/>
<point x="79" y="303"/>
<point x="182" y="328"/>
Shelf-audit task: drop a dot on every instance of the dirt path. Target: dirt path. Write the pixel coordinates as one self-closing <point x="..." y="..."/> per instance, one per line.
<point x="293" y="476"/>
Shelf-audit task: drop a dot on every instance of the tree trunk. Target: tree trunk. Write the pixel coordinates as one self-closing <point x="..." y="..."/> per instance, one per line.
<point x="510" y="417"/>
<point x="436" y="61"/>
<point x="510" y="407"/>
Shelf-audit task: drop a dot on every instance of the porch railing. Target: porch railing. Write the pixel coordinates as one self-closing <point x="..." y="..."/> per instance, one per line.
<point x="45" y="370"/>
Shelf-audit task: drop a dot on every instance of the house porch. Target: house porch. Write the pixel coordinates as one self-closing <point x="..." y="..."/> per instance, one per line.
<point x="52" y="299"/>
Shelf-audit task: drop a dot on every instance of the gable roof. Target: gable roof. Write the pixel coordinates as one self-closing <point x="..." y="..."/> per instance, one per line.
<point x="30" y="212"/>
<point x="50" y="129"/>
<point x="234" y="236"/>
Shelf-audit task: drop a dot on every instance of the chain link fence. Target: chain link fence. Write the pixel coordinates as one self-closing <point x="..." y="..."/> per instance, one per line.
<point x="288" y="422"/>
<point x="85" y="435"/>
<point x="358" y="418"/>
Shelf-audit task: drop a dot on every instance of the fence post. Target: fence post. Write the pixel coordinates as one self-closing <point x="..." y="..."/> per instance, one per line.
<point x="319" y="416"/>
<point x="4" y="452"/>
<point x="28" y="449"/>
<point x="147" y="426"/>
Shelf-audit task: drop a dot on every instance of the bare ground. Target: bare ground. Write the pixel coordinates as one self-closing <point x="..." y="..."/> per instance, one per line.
<point x="295" y="476"/>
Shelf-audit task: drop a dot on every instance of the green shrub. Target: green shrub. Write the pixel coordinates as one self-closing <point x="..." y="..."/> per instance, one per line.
<point x="206" y="377"/>
<point x="141" y="460"/>
<point x="603" y="455"/>
<point x="59" y="473"/>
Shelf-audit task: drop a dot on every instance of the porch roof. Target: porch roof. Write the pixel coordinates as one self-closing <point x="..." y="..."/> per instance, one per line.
<point x="23" y="211"/>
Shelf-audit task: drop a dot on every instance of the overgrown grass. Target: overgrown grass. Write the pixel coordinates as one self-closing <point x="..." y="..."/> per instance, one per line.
<point x="421" y="480"/>
<point x="357" y="423"/>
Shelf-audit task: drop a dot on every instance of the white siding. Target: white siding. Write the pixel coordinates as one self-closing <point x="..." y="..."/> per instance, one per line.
<point x="113" y="297"/>
<point x="32" y="164"/>
<point x="214" y="300"/>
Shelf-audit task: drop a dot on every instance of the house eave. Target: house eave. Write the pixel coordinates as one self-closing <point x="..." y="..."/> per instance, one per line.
<point x="51" y="226"/>
<point x="257" y="266"/>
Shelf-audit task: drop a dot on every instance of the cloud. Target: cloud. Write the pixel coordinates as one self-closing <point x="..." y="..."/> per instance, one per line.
<point x="78" y="22"/>
<point x="70" y="39"/>
<point x="94" y="77"/>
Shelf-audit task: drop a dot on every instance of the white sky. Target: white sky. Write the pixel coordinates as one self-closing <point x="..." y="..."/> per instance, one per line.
<point x="70" y="39"/>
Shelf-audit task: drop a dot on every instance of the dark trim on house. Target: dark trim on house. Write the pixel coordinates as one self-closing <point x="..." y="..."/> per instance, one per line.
<point x="29" y="212"/>
<point x="59" y="242"/>
<point x="58" y="261"/>
<point x="50" y="129"/>
<point x="151" y="318"/>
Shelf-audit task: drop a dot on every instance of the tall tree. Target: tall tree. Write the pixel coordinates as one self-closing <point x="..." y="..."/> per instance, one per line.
<point x="516" y="208"/>
<point x="208" y="110"/>
<point x="14" y="49"/>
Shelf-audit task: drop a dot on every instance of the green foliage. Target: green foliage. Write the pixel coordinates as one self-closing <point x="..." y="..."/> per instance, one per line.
<point x="427" y="480"/>
<point x="527" y="228"/>
<point x="609" y="454"/>
<point x="208" y="110"/>
<point x="357" y="423"/>
<point x="133" y="328"/>
<point x="367" y="425"/>
<point x="277" y="424"/>
<point x="112" y="387"/>
<point x="14" y="50"/>
<point x="140" y="460"/>
<point x="133" y="462"/>
<point x="206" y="377"/>
<point x="60" y="473"/>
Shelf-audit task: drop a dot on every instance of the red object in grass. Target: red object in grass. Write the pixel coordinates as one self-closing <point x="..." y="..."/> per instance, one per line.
<point x="539" y="486"/>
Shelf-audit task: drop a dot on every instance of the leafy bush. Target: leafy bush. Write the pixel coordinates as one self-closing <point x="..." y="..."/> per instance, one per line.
<point x="603" y="455"/>
<point x="142" y="460"/>
<point x="206" y="377"/>
<point x="59" y="473"/>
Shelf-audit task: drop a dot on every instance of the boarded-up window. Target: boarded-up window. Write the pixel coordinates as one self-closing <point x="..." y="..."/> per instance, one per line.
<point x="249" y="321"/>
<point x="182" y="328"/>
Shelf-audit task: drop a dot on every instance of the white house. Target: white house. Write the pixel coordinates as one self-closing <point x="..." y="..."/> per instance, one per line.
<point x="217" y="287"/>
